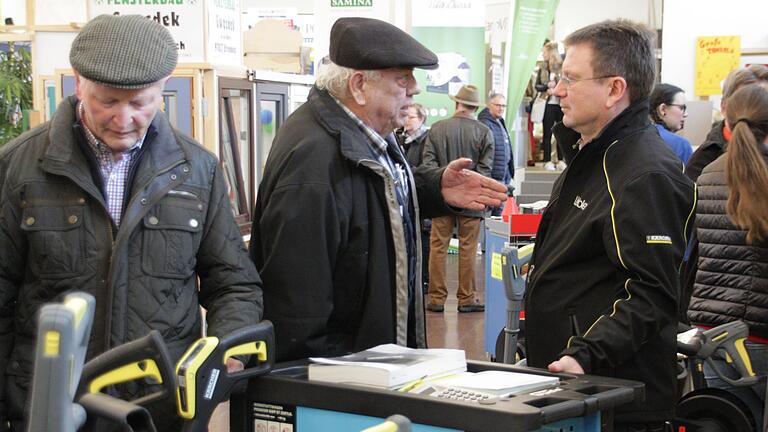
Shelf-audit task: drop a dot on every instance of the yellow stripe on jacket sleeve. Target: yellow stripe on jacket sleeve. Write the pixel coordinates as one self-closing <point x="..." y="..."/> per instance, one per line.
<point x="613" y="206"/>
<point x="613" y="312"/>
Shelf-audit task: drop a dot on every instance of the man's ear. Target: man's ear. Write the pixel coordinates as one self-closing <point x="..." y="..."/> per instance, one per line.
<point x="356" y="84"/>
<point x="617" y="92"/>
<point x="78" y="84"/>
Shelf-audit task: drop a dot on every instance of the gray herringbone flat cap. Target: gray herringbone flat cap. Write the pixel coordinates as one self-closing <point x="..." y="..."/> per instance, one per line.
<point x="123" y="51"/>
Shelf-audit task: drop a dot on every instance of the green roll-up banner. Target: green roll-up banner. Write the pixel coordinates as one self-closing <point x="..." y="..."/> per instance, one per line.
<point x="532" y="20"/>
<point x="455" y="31"/>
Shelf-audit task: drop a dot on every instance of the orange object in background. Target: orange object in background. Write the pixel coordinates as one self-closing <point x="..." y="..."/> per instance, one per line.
<point x="510" y="208"/>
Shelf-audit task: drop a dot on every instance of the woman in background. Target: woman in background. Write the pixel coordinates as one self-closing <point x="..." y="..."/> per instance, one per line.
<point x="414" y="133"/>
<point x="731" y="281"/>
<point x="546" y="81"/>
<point x="667" y="106"/>
<point x="412" y="141"/>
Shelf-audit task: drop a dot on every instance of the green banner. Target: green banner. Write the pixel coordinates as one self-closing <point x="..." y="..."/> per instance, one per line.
<point x="462" y="61"/>
<point x="531" y="24"/>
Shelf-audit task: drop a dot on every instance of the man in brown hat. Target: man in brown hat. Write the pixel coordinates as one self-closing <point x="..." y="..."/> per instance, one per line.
<point x="461" y="136"/>
<point x="335" y="229"/>
<point x="109" y="199"/>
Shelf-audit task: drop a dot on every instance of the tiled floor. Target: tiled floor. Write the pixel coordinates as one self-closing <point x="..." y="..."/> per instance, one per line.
<point x="449" y="329"/>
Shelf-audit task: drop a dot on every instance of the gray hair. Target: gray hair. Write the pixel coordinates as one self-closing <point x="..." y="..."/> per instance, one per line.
<point x="495" y="95"/>
<point x="335" y="79"/>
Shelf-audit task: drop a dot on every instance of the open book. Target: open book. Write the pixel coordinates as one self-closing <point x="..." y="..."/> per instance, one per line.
<point x="388" y="366"/>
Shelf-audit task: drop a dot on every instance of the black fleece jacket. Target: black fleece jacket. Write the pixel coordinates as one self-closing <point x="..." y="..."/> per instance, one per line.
<point x="604" y="284"/>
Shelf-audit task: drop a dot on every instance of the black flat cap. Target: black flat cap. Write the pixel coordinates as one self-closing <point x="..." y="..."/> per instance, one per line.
<point x="367" y="44"/>
<point x="123" y="51"/>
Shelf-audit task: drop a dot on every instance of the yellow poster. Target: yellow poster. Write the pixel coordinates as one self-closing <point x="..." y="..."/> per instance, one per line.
<point x="716" y="56"/>
<point x="496" y="259"/>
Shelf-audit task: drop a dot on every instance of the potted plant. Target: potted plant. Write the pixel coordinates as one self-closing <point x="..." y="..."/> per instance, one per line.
<point x="15" y="90"/>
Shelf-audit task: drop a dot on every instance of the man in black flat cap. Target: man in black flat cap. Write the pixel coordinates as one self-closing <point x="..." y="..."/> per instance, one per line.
<point x="109" y="199"/>
<point x="335" y="233"/>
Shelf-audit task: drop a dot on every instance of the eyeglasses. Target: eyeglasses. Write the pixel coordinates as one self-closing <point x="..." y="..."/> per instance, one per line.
<point x="681" y="106"/>
<point x="568" y="82"/>
<point x="499" y="105"/>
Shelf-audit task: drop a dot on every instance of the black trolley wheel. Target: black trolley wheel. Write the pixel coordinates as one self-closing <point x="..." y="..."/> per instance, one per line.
<point x="715" y="410"/>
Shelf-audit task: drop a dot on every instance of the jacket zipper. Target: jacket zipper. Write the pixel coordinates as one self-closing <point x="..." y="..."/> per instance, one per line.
<point x="531" y="271"/>
<point x="110" y="285"/>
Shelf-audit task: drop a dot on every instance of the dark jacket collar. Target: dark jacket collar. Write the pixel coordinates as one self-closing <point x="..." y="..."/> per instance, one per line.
<point x="633" y="118"/>
<point x="485" y="114"/>
<point x="63" y="152"/>
<point x="352" y="141"/>
<point x="716" y="136"/>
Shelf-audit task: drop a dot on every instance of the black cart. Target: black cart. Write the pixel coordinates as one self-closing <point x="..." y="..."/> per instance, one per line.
<point x="285" y="401"/>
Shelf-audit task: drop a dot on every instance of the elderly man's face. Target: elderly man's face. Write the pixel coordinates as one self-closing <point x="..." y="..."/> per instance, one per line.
<point x="387" y="99"/>
<point x="496" y="107"/>
<point x="118" y="117"/>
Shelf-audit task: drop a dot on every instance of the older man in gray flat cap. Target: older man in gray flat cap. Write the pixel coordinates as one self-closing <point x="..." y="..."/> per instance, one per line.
<point x="109" y="199"/>
<point x="335" y="233"/>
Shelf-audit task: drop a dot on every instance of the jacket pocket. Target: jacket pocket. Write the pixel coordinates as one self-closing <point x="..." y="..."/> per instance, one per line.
<point x="55" y="238"/>
<point x="170" y="238"/>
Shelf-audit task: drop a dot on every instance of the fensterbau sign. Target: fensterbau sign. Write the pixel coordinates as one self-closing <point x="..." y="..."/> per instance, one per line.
<point x="183" y="18"/>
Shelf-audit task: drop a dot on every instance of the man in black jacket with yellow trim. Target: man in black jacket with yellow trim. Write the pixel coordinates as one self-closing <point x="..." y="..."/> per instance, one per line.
<point x="602" y="295"/>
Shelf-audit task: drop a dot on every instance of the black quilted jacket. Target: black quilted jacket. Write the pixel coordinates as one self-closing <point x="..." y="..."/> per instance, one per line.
<point x="56" y="236"/>
<point x="732" y="277"/>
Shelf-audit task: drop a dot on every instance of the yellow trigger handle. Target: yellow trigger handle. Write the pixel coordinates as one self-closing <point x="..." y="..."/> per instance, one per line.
<point x="129" y="372"/>
<point x="258" y="348"/>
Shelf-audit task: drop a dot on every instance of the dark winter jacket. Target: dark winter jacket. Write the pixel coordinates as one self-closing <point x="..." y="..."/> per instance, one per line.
<point x="711" y="149"/>
<point x="604" y="285"/>
<point x="57" y="237"/>
<point x="503" y="168"/>
<point x="328" y="238"/>
<point x="732" y="277"/>
<point x="460" y="137"/>
<point x="414" y="146"/>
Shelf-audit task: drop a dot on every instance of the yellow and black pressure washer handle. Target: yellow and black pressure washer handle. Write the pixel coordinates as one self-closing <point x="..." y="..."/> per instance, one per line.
<point x="142" y="358"/>
<point x="728" y="339"/>
<point x="202" y="374"/>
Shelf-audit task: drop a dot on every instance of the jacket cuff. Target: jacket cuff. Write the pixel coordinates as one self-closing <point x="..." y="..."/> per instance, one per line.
<point x="581" y="355"/>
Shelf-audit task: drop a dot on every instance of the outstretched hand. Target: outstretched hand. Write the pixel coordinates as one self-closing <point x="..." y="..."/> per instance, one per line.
<point x="464" y="188"/>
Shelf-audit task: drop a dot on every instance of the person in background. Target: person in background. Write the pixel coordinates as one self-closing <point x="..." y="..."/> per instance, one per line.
<point x="461" y="136"/>
<point x="414" y="134"/>
<point x="602" y="291"/>
<point x="547" y="79"/>
<point x="334" y="234"/>
<point x="108" y="198"/>
<point x="732" y="225"/>
<point x="503" y="169"/>
<point x="713" y="147"/>
<point x="717" y="138"/>
<point x="667" y="107"/>
<point x="412" y="141"/>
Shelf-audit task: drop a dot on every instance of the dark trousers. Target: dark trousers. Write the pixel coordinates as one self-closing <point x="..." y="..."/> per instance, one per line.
<point x="552" y="115"/>
<point x="426" y="229"/>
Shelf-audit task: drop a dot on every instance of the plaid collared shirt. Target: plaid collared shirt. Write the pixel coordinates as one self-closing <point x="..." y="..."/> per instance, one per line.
<point x="379" y="146"/>
<point x="114" y="171"/>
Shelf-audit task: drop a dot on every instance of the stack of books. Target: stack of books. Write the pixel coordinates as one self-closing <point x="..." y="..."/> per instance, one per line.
<point x="388" y="366"/>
